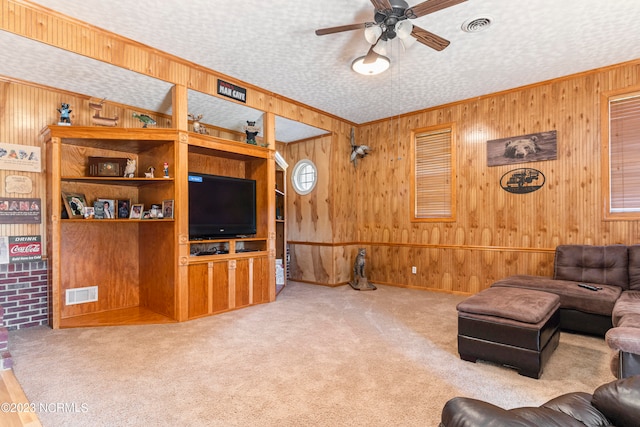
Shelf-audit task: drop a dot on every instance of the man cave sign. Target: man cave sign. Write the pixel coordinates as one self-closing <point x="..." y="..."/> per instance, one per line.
<point x="524" y="148"/>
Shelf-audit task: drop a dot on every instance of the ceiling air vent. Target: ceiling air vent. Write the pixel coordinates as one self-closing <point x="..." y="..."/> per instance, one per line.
<point x="475" y="25"/>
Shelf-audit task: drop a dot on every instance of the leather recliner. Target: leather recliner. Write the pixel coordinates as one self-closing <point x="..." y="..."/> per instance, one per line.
<point x="613" y="404"/>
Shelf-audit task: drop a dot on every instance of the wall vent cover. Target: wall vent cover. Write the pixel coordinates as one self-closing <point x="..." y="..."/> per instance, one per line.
<point x="81" y="295"/>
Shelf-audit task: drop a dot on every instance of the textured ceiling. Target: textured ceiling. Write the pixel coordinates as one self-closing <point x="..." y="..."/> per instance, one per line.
<point x="273" y="45"/>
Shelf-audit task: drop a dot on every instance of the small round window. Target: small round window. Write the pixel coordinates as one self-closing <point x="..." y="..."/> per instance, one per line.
<point x="304" y="176"/>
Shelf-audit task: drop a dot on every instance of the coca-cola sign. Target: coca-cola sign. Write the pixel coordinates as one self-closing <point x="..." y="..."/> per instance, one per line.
<point x="25" y="248"/>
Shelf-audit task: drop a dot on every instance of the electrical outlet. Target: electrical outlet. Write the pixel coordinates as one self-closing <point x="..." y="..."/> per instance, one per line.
<point x="414" y="269"/>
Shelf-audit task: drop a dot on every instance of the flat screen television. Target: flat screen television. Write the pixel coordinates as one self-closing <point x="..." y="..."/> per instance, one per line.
<point x="221" y="206"/>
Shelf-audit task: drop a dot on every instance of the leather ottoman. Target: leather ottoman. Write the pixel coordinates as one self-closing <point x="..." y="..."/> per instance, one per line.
<point x="516" y="327"/>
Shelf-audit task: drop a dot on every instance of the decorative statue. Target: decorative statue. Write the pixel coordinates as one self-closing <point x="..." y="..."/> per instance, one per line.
<point x="165" y="169"/>
<point x="130" y="169"/>
<point x="64" y="111"/>
<point x="151" y="171"/>
<point x="252" y="131"/>
<point x="360" y="282"/>
<point x="357" y="151"/>
<point x="197" y="126"/>
<point x="146" y="120"/>
<point x="97" y="119"/>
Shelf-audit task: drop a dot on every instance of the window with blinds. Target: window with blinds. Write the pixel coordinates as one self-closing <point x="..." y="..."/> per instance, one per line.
<point x="622" y="156"/>
<point x="433" y="183"/>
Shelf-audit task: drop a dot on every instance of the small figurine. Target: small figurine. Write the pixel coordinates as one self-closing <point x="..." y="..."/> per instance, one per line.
<point x="165" y="169"/>
<point x="252" y="131"/>
<point x="99" y="120"/>
<point x="151" y="170"/>
<point x="197" y="126"/>
<point x="146" y="120"/>
<point x="64" y="111"/>
<point x="130" y="169"/>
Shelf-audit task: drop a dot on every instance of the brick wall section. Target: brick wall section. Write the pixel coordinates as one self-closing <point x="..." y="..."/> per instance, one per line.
<point x="23" y="294"/>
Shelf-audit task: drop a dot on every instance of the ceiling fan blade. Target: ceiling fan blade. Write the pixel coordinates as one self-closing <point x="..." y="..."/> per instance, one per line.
<point x="340" y="29"/>
<point x="429" y="39"/>
<point x="430" y="6"/>
<point x="381" y="4"/>
<point x="371" y="56"/>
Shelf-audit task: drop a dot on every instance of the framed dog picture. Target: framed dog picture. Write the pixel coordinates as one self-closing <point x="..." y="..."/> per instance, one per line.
<point x="533" y="147"/>
<point x="75" y="204"/>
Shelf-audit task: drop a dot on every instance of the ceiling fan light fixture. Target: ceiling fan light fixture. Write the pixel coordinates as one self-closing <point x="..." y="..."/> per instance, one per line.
<point x="407" y="42"/>
<point x="381" y="47"/>
<point x="380" y="65"/>
<point x="372" y="33"/>
<point x="404" y="28"/>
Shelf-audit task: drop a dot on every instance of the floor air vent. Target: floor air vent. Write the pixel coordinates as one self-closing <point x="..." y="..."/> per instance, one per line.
<point x="81" y="295"/>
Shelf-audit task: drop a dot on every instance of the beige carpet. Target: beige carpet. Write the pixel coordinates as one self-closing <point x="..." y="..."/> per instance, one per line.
<point x="316" y="357"/>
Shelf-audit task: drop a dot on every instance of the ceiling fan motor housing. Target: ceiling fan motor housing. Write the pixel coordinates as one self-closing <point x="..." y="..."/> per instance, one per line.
<point x="388" y="19"/>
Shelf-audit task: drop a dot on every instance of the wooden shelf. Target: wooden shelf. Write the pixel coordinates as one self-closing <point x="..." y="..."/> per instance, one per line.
<point x="141" y="268"/>
<point x="118" y="220"/>
<point x="135" y="182"/>
<point x="119" y="317"/>
<point x="131" y="262"/>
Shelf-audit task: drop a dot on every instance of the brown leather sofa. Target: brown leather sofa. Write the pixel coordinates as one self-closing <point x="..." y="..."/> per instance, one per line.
<point x="613" y="404"/>
<point x="612" y="309"/>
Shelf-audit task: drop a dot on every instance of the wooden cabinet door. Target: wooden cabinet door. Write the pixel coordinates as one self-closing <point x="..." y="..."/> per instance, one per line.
<point x="198" y="290"/>
<point x="243" y="281"/>
<point x="219" y="286"/>
<point x="260" y="280"/>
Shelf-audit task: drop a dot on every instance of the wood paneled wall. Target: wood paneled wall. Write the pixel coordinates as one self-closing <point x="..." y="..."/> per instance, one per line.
<point x="496" y="233"/>
<point x="321" y="224"/>
<point x="41" y="24"/>
<point x="25" y="109"/>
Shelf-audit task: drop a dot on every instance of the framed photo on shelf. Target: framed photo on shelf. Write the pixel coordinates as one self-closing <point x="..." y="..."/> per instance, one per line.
<point x="109" y="206"/>
<point x="89" y="213"/>
<point x="155" y="211"/>
<point x="123" y="207"/>
<point x="74" y="204"/>
<point x="98" y="210"/>
<point x="136" y="211"/>
<point x="146" y="215"/>
<point x="167" y="208"/>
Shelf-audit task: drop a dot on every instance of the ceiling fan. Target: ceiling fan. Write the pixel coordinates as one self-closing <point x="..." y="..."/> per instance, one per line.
<point x="391" y="20"/>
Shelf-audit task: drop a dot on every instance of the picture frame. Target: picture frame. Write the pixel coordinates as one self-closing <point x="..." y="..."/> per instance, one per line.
<point x="123" y="208"/>
<point x="146" y="215"/>
<point x="74" y="203"/>
<point x="533" y="147"/>
<point x="136" y="211"/>
<point x="89" y="213"/>
<point x="155" y="211"/>
<point x="109" y="206"/>
<point x="167" y="208"/>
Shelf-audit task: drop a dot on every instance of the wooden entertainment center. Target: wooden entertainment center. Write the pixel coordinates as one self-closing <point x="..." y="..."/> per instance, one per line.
<point x="143" y="270"/>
